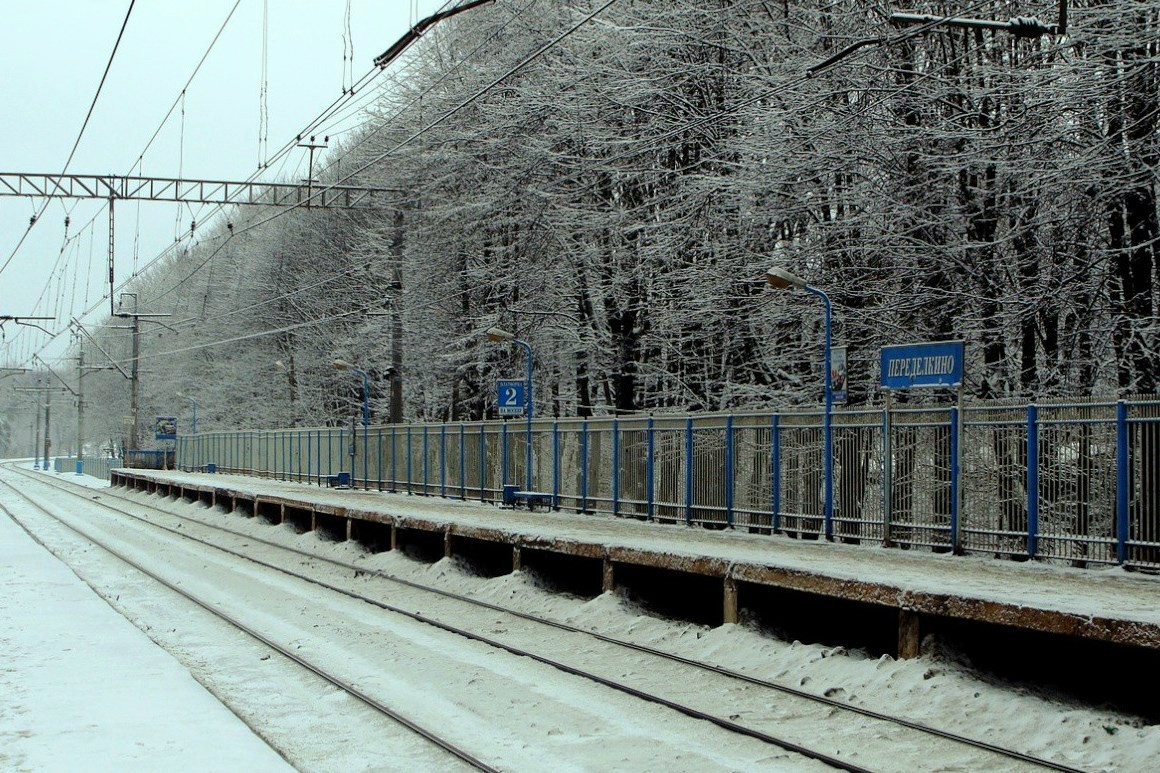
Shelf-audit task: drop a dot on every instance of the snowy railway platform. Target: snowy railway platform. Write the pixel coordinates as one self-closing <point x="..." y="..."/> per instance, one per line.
<point x="1031" y="614"/>
<point x="82" y="689"/>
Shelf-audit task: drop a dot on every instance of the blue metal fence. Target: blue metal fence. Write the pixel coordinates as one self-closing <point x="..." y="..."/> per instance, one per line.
<point x="1076" y="482"/>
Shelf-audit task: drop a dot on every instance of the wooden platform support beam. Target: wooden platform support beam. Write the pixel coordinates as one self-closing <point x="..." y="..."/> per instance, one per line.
<point x="909" y="639"/>
<point x="730" y="615"/>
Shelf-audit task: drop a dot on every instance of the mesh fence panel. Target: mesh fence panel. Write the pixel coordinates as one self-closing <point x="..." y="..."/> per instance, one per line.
<point x="993" y="480"/>
<point x="1143" y="538"/>
<point x="1075" y="482"/>
<point x="920" y="490"/>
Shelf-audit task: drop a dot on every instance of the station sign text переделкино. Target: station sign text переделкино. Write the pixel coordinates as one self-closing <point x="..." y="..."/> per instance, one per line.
<point x="934" y="364"/>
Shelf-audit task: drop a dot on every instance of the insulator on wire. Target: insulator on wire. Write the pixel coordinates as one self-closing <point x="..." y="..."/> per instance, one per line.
<point x="1027" y="27"/>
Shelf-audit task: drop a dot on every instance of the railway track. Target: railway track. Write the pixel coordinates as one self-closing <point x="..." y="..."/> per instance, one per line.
<point x="286" y="652"/>
<point x="790" y="699"/>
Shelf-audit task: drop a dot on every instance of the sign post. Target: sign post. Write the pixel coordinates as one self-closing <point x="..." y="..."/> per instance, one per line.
<point x="916" y="366"/>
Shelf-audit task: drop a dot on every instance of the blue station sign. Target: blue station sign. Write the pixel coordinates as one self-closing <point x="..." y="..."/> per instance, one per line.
<point x="936" y="364"/>
<point x="510" y="397"/>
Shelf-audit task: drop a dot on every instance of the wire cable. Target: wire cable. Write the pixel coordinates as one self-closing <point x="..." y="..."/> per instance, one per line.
<point x="80" y="134"/>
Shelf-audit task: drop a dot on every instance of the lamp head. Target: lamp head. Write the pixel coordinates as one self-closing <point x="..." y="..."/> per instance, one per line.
<point x="784" y="280"/>
<point x="342" y="365"/>
<point x="499" y="334"/>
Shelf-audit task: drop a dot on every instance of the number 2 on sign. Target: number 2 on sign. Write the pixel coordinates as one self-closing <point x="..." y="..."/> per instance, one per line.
<point x="509" y="396"/>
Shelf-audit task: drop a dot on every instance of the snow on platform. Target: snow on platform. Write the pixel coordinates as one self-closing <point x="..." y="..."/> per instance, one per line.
<point x="1101" y="604"/>
<point x="82" y="689"/>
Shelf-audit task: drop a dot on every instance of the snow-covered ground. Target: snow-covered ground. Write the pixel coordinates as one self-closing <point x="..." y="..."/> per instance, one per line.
<point x="82" y="689"/>
<point x="935" y="689"/>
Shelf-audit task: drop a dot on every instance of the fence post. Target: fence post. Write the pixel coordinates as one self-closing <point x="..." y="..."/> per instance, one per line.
<point x="887" y="471"/>
<point x="1032" y="480"/>
<point x="616" y="466"/>
<point x="775" y="471"/>
<point x="556" y="464"/>
<point x="366" y="457"/>
<point x="1122" y="481"/>
<point x="482" y="461"/>
<point x="584" y="466"/>
<point x="503" y="453"/>
<point x="462" y="462"/>
<point x="954" y="441"/>
<point x="729" y="471"/>
<point x="442" y="460"/>
<point x="650" y="451"/>
<point x="426" y="457"/>
<point x="394" y="459"/>
<point x="379" y="473"/>
<point x="410" y="462"/>
<point x="689" y="471"/>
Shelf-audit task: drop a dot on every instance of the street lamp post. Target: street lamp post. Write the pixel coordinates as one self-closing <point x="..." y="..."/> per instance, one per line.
<point x="194" y="403"/>
<point x="496" y="334"/>
<point x="784" y="280"/>
<point x="366" y="409"/>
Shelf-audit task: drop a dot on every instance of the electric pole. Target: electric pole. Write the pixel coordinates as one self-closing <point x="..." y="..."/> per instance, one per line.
<point x="135" y="368"/>
<point x="36" y="443"/>
<point x="44" y="395"/>
<point x="396" y="409"/>
<point x="311" y="146"/>
<point x="80" y="403"/>
<point x="47" y="424"/>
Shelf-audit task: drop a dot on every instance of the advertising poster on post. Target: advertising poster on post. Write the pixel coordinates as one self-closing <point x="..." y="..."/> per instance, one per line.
<point x="165" y="428"/>
<point x="838" y="387"/>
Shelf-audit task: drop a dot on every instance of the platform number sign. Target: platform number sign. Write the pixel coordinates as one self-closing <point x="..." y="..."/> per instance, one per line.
<point x="511" y="397"/>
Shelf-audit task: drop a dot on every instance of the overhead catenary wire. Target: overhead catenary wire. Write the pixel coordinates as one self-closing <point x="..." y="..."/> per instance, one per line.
<point x="315" y="125"/>
<point x="692" y="126"/>
<point x="80" y="134"/>
<point x="445" y="116"/>
<point x="137" y="164"/>
<point x="281" y="155"/>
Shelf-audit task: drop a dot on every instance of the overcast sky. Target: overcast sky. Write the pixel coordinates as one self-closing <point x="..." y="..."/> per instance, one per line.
<point x="51" y="63"/>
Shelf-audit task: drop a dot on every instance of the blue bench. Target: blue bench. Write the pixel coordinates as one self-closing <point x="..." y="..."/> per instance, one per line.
<point x="341" y="480"/>
<point x="513" y="496"/>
